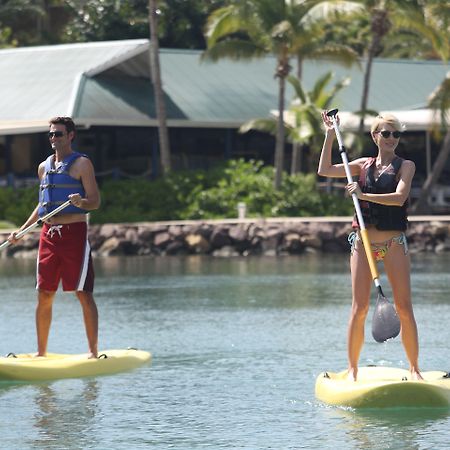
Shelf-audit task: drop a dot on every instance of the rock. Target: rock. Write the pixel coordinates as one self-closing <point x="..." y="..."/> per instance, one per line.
<point x="233" y="239"/>
<point x="238" y="234"/>
<point x="131" y="235"/>
<point x="313" y="241"/>
<point x="270" y="245"/>
<point x="220" y="237"/>
<point x="161" y="239"/>
<point x="175" y="231"/>
<point x="226" y="252"/>
<point x="440" y="230"/>
<point x="176" y="248"/>
<point x="111" y="246"/>
<point x="145" y="234"/>
<point x="293" y="243"/>
<point x="196" y="243"/>
<point x="108" y="230"/>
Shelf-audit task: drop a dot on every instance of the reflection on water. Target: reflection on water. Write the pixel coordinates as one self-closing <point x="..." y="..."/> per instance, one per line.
<point x="237" y="344"/>
<point x="57" y="415"/>
<point x="231" y="282"/>
<point x="64" y="414"/>
<point x="392" y="428"/>
<point x="203" y="265"/>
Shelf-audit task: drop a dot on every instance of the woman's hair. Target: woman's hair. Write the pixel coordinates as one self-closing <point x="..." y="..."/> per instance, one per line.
<point x="389" y="119"/>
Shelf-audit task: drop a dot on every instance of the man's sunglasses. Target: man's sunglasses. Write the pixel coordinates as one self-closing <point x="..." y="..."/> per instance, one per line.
<point x="55" y="134"/>
<point x="386" y="134"/>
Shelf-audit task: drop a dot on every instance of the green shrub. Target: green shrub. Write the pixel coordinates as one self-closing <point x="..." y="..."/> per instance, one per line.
<point x="187" y="195"/>
<point x="16" y="205"/>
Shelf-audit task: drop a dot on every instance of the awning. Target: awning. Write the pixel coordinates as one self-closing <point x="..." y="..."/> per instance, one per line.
<point x="22" y="127"/>
<point x="413" y="120"/>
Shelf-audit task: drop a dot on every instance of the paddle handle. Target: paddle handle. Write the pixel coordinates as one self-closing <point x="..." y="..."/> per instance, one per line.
<point x="38" y="222"/>
<point x="363" y="230"/>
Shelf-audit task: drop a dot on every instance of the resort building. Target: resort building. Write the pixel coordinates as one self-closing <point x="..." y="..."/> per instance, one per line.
<point x="106" y="88"/>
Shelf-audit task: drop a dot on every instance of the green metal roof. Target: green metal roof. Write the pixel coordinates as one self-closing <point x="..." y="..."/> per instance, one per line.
<point x="109" y="83"/>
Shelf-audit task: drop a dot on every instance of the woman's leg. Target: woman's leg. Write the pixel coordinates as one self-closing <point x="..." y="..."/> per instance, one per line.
<point x="398" y="267"/>
<point x="361" y="287"/>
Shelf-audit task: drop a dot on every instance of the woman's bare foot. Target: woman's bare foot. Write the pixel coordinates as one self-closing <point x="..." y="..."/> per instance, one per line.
<point x="416" y="375"/>
<point x="352" y="374"/>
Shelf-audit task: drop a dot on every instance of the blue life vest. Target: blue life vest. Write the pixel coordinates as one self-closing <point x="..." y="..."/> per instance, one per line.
<point x="382" y="216"/>
<point x="57" y="184"/>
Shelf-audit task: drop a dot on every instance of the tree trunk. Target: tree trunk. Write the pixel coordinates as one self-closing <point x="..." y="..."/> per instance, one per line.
<point x="155" y="70"/>
<point x="296" y="161"/>
<point x="379" y="26"/>
<point x="366" y="85"/>
<point x="279" y="145"/>
<point x="421" y="206"/>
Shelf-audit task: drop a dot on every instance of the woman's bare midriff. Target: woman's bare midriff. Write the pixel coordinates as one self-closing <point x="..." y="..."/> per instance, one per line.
<point x="376" y="235"/>
<point x="63" y="219"/>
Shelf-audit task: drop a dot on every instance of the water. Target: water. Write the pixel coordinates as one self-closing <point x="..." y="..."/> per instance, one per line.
<point x="237" y="345"/>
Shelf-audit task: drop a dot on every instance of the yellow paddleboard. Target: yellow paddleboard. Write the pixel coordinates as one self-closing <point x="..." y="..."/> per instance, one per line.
<point x="384" y="387"/>
<point x="27" y="367"/>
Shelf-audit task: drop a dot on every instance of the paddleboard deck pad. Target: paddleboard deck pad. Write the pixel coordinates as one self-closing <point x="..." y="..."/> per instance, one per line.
<point x="384" y="387"/>
<point x="27" y="367"/>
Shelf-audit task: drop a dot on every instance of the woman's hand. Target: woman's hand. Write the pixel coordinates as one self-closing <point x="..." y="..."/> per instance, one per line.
<point x="328" y="122"/>
<point x="353" y="188"/>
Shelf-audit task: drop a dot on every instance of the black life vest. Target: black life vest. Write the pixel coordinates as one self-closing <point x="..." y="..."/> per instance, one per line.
<point x="382" y="216"/>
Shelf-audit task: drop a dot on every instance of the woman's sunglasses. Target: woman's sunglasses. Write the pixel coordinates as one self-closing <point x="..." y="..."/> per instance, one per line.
<point x="55" y="134"/>
<point x="386" y="134"/>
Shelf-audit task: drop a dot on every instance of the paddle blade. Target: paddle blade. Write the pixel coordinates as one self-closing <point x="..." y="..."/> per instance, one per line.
<point x="385" y="321"/>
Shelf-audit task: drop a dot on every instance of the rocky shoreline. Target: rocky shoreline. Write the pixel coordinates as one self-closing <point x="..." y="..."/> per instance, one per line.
<point x="245" y="237"/>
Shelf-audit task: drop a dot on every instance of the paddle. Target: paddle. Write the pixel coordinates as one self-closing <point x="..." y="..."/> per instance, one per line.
<point x="38" y="222"/>
<point x="385" y="321"/>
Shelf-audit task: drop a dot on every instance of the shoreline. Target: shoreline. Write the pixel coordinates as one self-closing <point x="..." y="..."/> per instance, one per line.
<point x="238" y="237"/>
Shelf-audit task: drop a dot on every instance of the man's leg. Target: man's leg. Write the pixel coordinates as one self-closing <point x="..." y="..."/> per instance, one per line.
<point x="90" y="315"/>
<point x="43" y="319"/>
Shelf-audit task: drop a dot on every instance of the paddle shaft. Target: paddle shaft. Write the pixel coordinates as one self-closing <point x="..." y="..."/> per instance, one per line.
<point x="38" y="222"/>
<point x="362" y="226"/>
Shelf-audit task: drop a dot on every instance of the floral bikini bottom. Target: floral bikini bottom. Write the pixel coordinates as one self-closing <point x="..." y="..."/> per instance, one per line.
<point x="379" y="249"/>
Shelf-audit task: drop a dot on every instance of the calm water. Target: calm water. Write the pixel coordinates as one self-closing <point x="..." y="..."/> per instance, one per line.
<point x="236" y="344"/>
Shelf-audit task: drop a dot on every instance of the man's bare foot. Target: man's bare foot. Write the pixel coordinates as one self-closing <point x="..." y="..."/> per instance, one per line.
<point x="92" y="356"/>
<point x="39" y="355"/>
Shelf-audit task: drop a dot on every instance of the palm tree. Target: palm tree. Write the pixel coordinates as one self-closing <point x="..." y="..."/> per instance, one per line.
<point x="157" y="88"/>
<point x="13" y="28"/>
<point x="393" y="17"/>
<point x="439" y="101"/>
<point x="256" y="28"/>
<point x="305" y="110"/>
<point x="315" y="46"/>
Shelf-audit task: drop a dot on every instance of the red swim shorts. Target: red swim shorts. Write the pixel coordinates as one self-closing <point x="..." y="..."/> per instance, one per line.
<point x="65" y="254"/>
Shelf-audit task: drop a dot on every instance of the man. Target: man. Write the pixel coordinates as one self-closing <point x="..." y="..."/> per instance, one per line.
<point x="64" y="251"/>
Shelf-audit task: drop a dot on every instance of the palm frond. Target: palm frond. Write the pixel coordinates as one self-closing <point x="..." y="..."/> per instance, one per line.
<point x="298" y="88"/>
<point x="339" y="54"/>
<point x="439" y="100"/>
<point x="320" y="85"/>
<point x="266" y="125"/>
<point x="222" y="22"/>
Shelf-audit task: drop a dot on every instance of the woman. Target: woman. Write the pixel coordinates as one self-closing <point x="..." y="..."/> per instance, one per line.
<point x="383" y="187"/>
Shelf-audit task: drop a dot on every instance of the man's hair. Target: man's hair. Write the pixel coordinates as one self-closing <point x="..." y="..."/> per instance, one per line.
<point x="66" y="121"/>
